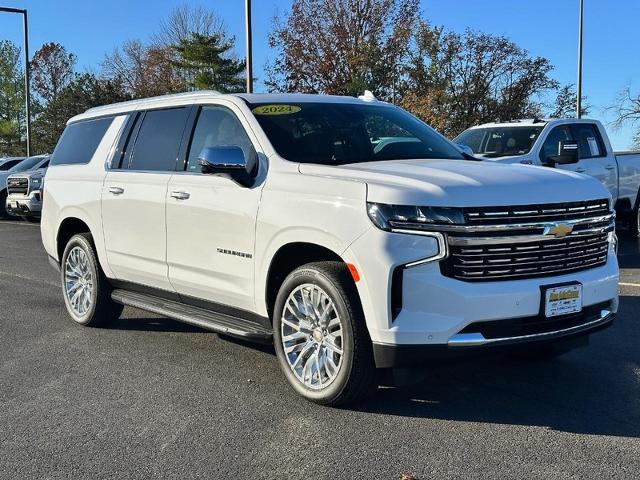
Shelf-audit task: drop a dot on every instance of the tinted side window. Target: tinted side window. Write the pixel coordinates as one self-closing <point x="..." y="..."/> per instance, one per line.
<point x="589" y="142"/>
<point x="158" y="140"/>
<point x="216" y="126"/>
<point x="7" y="165"/>
<point x="550" y="145"/>
<point x="79" y="141"/>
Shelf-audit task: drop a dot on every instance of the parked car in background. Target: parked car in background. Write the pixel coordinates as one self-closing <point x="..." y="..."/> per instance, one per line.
<point x="344" y="230"/>
<point x="24" y="190"/>
<point x="577" y="145"/>
<point x="7" y="165"/>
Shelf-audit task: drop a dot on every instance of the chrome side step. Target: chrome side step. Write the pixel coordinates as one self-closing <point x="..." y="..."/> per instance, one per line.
<point x="209" y="320"/>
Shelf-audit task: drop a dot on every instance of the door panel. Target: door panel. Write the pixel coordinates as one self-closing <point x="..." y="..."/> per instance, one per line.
<point x="211" y="220"/>
<point x="134" y="226"/>
<point x="210" y="238"/>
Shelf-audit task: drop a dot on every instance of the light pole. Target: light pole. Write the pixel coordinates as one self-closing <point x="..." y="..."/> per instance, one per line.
<point x="579" y="88"/>
<point x="249" y="60"/>
<point x="27" y="95"/>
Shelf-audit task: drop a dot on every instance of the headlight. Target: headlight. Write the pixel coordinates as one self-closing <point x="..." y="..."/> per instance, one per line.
<point x="402" y="217"/>
<point x="35" y="182"/>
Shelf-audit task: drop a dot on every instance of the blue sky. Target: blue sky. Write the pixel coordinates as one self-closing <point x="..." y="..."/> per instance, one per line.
<point x="544" y="27"/>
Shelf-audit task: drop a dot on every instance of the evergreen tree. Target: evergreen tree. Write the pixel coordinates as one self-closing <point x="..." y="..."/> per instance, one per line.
<point x="11" y="100"/>
<point x="207" y="60"/>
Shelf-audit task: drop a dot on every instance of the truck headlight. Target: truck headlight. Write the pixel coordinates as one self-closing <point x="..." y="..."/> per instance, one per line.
<point x="36" y="182"/>
<point x="403" y="217"/>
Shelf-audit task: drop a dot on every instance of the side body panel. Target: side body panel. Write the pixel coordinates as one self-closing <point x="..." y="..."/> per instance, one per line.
<point x="73" y="191"/>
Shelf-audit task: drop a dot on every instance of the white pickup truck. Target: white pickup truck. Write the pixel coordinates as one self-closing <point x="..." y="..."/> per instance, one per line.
<point x="577" y="145"/>
<point x="345" y="231"/>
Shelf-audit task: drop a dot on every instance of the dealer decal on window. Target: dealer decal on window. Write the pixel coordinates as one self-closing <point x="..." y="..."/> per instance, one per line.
<point x="276" y="109"/>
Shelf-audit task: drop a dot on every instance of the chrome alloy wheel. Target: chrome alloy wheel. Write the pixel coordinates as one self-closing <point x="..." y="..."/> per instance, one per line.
<point x="78" y="281"/>
<point x="312" y="336"/>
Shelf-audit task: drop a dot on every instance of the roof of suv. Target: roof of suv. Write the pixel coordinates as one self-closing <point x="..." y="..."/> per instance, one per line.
<point x="182" y="98"/>
<point x="529" y="122"/>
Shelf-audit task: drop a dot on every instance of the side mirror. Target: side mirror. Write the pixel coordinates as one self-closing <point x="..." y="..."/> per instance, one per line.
<point x="226" y="161"/>
<point x="567" y="153"/>
<point x="465" y="149"/>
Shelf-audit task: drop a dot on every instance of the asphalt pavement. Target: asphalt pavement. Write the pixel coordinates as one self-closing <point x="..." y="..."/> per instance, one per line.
<point x="152" y="398"/>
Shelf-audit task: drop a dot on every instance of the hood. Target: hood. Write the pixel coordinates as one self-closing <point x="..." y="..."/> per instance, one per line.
<point x="459" y="183"/>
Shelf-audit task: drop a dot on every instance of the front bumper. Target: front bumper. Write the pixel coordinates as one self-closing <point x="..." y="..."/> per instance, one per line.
<point x="438" y="311"/>
<point x="467" y="344"/>
<point x="23" y="205"/>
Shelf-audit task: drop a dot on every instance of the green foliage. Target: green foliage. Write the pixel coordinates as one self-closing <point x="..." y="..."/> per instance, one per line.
<point x="11" y="100"/>
<point x="208" y="61"/>
<point x="83" y="92"/>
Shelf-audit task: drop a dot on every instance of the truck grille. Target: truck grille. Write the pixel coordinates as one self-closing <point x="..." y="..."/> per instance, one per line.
<point x="17" y="185"/>
<point x="515" y="242"/>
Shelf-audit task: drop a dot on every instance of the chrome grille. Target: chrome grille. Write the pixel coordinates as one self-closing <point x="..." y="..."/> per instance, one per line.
<point x="538" y="213"/>
<point x="17" y="185"/>
<point x="508" y="249"/>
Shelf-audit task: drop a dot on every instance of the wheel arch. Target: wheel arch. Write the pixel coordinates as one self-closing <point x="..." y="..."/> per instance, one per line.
<point x="286" y="259"/>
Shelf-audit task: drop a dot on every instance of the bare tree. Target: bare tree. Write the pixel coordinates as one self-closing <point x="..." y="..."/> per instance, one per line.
<point x="145" y="71"/>
<point x="566" y="103"/>
<point x="186" y="20"/>
<point x="51" y="70"/>
<point x="627" y="111"/>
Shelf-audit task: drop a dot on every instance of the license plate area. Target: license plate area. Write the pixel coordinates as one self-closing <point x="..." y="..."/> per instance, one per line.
<point x="563" y="299"/>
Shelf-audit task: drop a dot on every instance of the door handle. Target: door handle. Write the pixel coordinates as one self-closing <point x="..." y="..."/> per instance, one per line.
<point x="581" y="170"/>
<point x="610" y="167"/>
<point x="116" y="190"/>
<point x="180" y="195"/>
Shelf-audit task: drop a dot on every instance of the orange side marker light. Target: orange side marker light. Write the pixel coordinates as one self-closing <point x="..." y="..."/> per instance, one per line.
<point x="354" y="272"/>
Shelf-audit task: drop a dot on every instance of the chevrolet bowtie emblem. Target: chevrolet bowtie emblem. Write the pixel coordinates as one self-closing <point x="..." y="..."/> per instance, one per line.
<point x="558" y="230"/>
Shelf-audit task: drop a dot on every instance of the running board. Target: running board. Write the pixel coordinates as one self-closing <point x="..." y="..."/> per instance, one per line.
<point x="216" y="322"/>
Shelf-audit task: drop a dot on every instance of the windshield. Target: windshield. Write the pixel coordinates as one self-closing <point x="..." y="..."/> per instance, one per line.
<point x="27" y="164"/>
<point x="342" y="133"/>
<point x="500" y="141"/>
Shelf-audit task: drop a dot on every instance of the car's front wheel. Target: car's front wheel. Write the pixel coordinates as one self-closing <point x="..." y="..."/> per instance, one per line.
<point x="320" y="336"/>
<point x="86" y="290"/>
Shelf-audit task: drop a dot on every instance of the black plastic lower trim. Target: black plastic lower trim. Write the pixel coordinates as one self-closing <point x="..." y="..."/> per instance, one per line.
<point x="393" y="356"/>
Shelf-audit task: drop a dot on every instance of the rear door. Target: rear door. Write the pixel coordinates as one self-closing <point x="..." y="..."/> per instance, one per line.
<point x="134" y="193"/>
<point x="211" y="220"/>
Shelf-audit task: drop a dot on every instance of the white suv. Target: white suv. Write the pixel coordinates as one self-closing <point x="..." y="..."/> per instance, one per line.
<point x="345" y="231"/>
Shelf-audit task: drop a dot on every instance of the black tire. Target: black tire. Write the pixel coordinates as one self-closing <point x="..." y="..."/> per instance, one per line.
<point x="355" y="379"/>
<point x="3" y="204"/>
<point x="102" y="309"/>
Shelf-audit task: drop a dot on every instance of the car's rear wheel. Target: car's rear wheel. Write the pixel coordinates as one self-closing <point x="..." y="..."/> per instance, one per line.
<point x="86" y="290"/>
<point x="320" y="336"/>
<point x="3" y="204"/>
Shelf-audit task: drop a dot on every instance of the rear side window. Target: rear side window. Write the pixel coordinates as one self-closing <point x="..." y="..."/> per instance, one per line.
<point x="8" y="164"/>
<point x="79" y="141"/>
<point x="158" y="141"/>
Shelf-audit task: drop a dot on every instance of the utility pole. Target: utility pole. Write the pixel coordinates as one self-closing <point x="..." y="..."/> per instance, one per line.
<point x="249" y="60"/>
<point x="579" y="88"/>
<point x="27" y="94"/>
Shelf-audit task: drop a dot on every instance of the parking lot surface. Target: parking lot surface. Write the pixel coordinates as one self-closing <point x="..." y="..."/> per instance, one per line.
<point x="153" y="398"/>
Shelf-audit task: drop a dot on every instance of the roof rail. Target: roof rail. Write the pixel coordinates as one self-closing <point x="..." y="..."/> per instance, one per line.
<point x="142" y="101"/>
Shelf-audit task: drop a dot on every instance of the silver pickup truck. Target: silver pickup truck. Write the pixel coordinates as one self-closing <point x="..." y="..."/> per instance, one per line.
<point x="570" y="144"/>
<point x="24" y="189"/>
